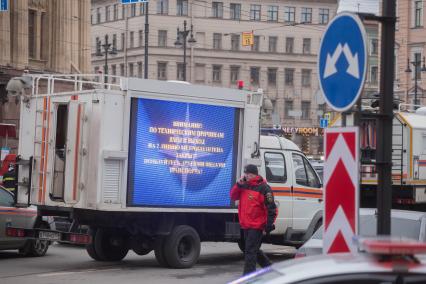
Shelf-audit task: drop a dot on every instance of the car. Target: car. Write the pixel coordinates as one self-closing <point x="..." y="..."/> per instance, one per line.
<point x="10" y="215"/>
<point x="409" y="224"/>
<point x="380" y="261"/>
<point x="318" y="166"/>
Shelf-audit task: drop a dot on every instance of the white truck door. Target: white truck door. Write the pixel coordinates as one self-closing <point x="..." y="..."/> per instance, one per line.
<point x="276" y="173"/>
<point x="307" y="192"/>
<point x="72" y="155"/>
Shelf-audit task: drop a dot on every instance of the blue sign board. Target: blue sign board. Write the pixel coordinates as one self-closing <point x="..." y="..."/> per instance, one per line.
<point x="4" y="5"/>
<point x="342" y="61"/>
<point x="181" y="154"/>
<point x="323" y="123"/>
<point x="133" y="1"/>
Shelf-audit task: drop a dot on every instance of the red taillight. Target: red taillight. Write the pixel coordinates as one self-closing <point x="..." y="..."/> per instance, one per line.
<point x="80" y="239"/>
<point x="299" y="254"/>
<point x="13" y="232"/>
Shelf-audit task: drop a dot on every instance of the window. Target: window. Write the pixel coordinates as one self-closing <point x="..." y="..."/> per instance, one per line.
<point x="418" y="60"/>
<point x="162" y="71"/>
<point x="275" y="168"/>
<point x="200" y="73"/>
<point x="256" y="43"/>
<point x="306" y="110"/>
<point x="132" y="39"/>
<point x="418" y="14"/>
<point x="235" y="42"/>
<point x="123" y="11"/>
<point x="6" y="199"/>
<point x="142" y="9"/>
<point x="182" y="8"/>
<point x="289" y="14"/>
<point x="304" y="173"/>
<point x="254" y="75"/>
<point x="374" y="76"/>
<point x="132" y="10"/>
<point x="235" y="73"/>
<point x="324" y="16"/>
<point x="374" y="46"/>
<point x="32" y="34"/>
<point x="131" y="70"/>
<point x="306" y="46"/>
<point x="255" y="12"/>
<point x="140" y="69"/>
<point x="306" y="15"/>
<point x="122" y="69"/>
<point x="306" y="77"/>
<point x="107" y="14"/>
<point x="289" y="45"/>
<point x="235" y="11"/>
<point x="288" y="108"/>
<point x="322" y="109"/>
<point x="272" y="76"/>
<point x="140" y="37"/>
<point x="289" y="76"/>
<point x="162" y="38"/>
<point x="98" y="15"/>
<point x="217" y="73"/>
<point x="163" y="7"/>
<point x="273" y="40"/>
<point x="114" y="42"/>
<point x="115" y="12"/>
<point x="122" y="41"/>
<point x="180" y="70"/>
<point x="217" y="41"/>
<point x="217" y="10"/>
<point x="273" y="13"/>
<point x="114" y="71"/>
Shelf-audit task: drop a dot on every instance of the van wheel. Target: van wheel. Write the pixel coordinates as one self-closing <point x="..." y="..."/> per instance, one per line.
<point x="90" y="248"/>
<point x="159" y="251"/>
<point x="110" y="245"/>
<point x="36" y="248"/>
<point x="182" y="247"/>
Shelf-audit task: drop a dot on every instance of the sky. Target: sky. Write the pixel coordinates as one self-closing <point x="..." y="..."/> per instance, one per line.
<point x="365" y="6"/>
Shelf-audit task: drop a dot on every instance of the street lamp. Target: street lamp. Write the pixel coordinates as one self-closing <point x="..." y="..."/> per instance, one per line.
<point x="108" y="49"/>
<point x="181" y="39"/>
<point x="416" y="65"/>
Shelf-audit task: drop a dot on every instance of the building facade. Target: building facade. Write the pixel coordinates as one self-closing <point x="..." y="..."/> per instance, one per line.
<point x="410" y="46"/>
<point x="281" y="61"/>
<point x="41" y="36"/>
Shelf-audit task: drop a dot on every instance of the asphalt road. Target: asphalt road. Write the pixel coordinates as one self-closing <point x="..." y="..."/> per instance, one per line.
<point x="219" y="263"/>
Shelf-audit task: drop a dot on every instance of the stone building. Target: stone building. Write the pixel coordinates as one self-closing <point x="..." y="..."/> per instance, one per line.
<point x="41" y="36"/>
<point x="282" y="60"/>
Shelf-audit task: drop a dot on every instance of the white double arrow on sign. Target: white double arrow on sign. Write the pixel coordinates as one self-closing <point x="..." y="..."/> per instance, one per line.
<point x="330" y="65"/>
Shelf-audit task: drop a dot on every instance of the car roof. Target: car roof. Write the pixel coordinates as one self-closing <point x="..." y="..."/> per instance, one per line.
<point x="336" y="264"/>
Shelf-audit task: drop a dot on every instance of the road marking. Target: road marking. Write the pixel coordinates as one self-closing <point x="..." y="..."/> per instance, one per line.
<point x="76" y="272"/>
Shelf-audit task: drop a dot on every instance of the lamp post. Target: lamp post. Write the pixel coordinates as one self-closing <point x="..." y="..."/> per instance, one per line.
<point x="181" y="39"/>
<point x="416" y="65"/>
<point x="108" y="49"/>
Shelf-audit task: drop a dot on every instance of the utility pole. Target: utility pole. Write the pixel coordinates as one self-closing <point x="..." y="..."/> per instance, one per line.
<point x="126" y="38"/>
<point x="182" y="40"/>
<point x="146" y="40"/>
<point x="384" y="125"/>
<point x="108" y="49"/>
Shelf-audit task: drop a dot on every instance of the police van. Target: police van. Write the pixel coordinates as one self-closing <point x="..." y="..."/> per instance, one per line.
<point x="148" y="165"/>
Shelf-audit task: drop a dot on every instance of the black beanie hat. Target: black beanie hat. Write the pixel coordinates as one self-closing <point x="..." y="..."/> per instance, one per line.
<point x="251" y="169"/>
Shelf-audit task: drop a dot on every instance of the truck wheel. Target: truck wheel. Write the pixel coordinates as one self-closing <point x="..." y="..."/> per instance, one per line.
<point x="142" y="250"/>
<point x="110" y="245"/>
<point x="159" y="252"/>
<point x="182" y="247"/>
<point x="90" y="248"/>
<point x="36" y="248"/>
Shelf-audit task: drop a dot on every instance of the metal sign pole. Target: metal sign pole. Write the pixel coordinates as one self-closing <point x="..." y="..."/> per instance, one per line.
<point x="384" y="127"/>
<point x="146" y="40"/>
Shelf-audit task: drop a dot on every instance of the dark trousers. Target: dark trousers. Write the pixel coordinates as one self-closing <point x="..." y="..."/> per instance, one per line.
<point x="252" y="252"/>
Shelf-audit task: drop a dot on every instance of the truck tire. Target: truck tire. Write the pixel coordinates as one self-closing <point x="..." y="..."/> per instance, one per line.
<point x="182" y="247"/>
<point x="159" y="252"/>
<point x="36" y="248"/>
<point x="142" y="251"/>
<point x="90" y="248"/>
<point x="110" y="245"/>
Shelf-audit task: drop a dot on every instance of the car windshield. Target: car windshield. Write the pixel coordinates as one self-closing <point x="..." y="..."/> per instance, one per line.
<point x="401" y="227"/>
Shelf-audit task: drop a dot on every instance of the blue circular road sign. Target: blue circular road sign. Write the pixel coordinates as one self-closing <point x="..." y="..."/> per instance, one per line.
<point x="342" y="61"/>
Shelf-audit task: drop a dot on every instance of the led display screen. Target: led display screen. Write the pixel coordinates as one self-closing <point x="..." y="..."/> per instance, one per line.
<point x="181" y="154"/>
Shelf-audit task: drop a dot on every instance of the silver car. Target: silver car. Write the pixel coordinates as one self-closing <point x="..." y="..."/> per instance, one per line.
<point x="408" y="224"/>
<point x="12" y="216"/>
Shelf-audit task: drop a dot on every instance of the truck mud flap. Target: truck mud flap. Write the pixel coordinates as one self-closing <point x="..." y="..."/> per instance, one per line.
<point x="49" y="235"/>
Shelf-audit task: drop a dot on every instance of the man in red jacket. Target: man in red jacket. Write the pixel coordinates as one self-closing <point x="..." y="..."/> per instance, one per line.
<point x="257" y="212"/>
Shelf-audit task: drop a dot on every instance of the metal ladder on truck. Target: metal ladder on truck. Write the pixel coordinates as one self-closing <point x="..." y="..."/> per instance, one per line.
<point x="398" y="152"/>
